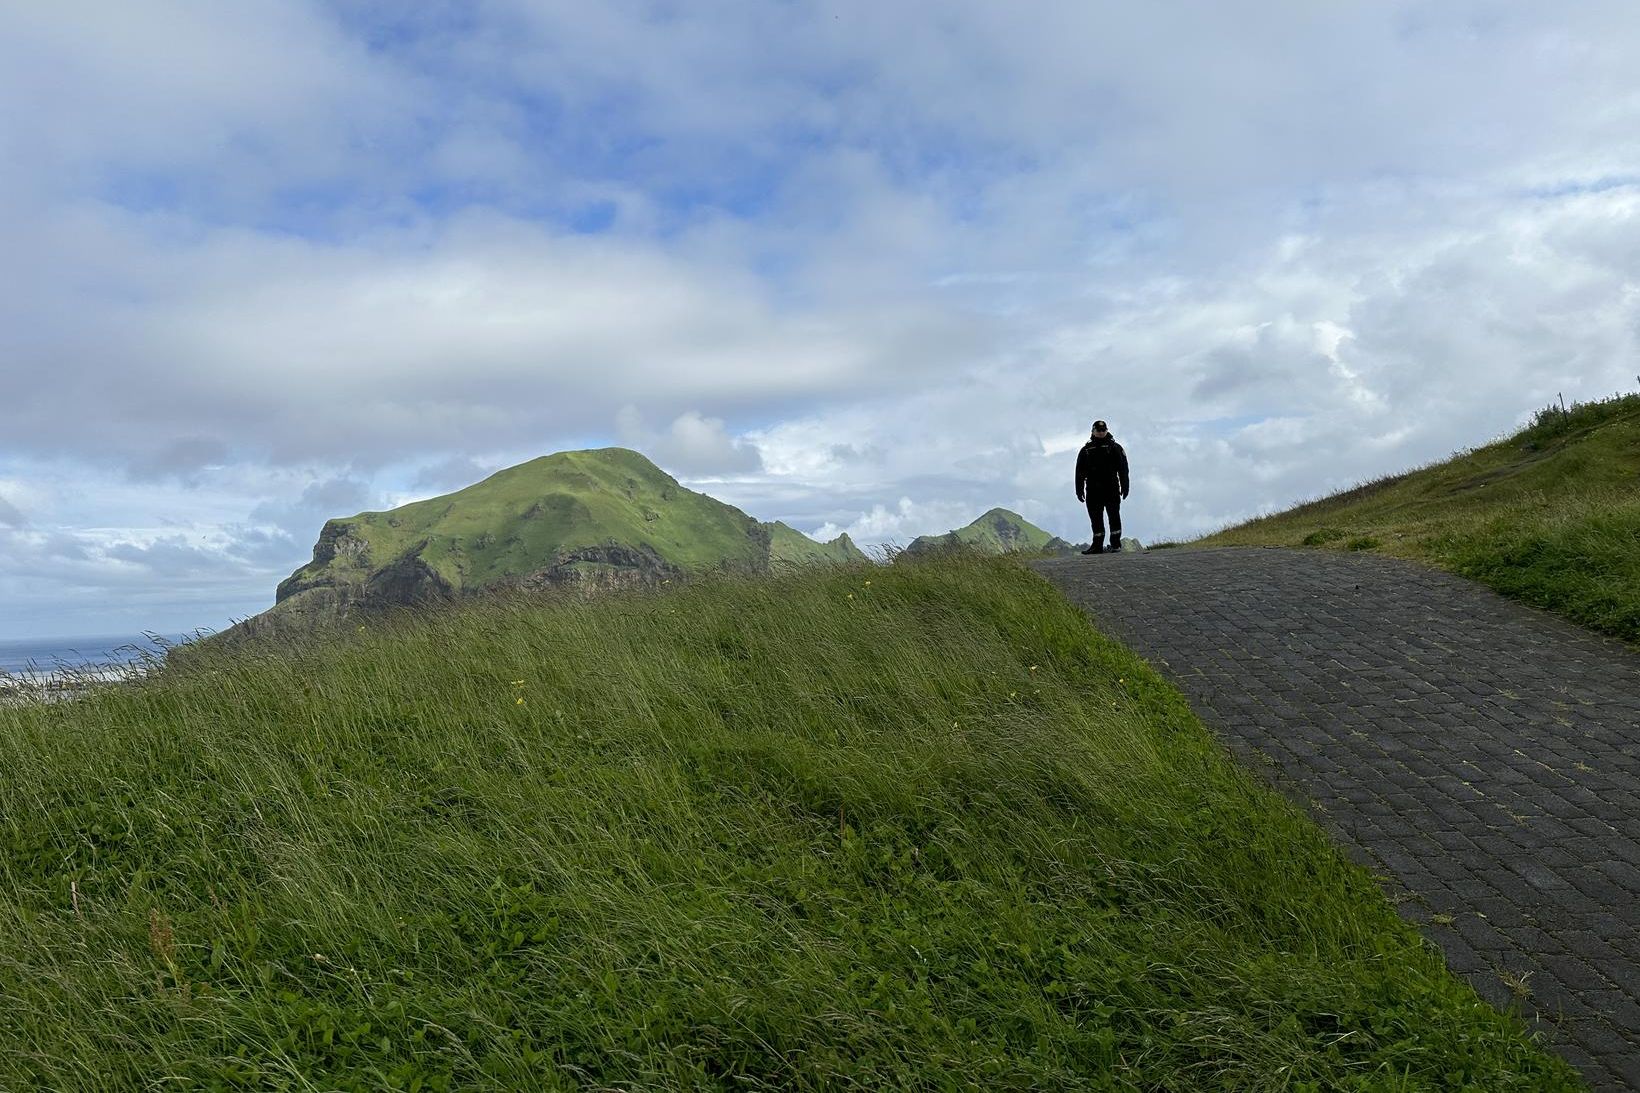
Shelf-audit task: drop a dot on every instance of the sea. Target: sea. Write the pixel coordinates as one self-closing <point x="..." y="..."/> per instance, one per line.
<point x="55" y="656"/>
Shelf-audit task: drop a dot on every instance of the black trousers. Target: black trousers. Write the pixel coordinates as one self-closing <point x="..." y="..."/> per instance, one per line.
<point x="1098" y="506"/>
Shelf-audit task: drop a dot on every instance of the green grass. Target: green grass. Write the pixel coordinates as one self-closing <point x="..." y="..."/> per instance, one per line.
<point x="1550" y="515"/>
<point x="910" y="827"/>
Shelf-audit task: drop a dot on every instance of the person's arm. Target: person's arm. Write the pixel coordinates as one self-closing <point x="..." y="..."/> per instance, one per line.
<point x="1082" y="475"/>
<point x="1121" y="461"/>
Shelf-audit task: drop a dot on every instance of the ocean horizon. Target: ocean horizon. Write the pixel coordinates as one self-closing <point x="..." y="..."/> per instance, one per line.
<point x="31" y="656"/>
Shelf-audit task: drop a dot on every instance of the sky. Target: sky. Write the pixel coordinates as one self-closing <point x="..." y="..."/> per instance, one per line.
<point x="856" y="266"/>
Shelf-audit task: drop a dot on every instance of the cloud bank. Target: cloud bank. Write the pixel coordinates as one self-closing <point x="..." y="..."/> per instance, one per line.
<point x="854" y="267"/>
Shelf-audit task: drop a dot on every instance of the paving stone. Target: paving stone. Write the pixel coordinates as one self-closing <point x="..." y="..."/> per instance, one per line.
<point x="1473" y="890"/>
<point x="1606" y="1044"/>
<point x="1626" y="1069"/>
<point x="1624" y="874"/>
<point x="1538" y="875"/>
<point x="1585" y="1062"/>
<point x="1598" y="887"/>
<point x="1596" y="828"/>
<point x="1482" y="935"/>
<point x="1461" y="959"/>
<point x="1504" y="744"/>
<point x="1574" y="973"/>
<point x="1622" y="1011"/>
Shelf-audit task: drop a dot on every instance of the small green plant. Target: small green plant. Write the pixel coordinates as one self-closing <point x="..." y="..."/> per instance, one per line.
<point x="1322" y="536"/>
<point x="1519" y="983"/>
<point x="1363" y="542"/>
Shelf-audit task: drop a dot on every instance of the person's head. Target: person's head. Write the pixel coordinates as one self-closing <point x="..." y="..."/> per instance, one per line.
<point x="1099" y="430"/>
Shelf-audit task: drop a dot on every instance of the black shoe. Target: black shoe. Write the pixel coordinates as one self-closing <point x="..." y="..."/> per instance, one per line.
<point x="1115" y="547"/>
<point x="1094" y="548"/>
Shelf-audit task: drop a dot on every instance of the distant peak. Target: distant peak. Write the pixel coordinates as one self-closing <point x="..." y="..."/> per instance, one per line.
<point x="602" y="455"/>
<point x="625" y="459"/>
<point x="1003" y="514"/>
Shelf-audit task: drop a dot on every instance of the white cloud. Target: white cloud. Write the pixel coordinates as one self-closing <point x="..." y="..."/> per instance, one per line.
<point x="902" y="523"/>
<point x="110" y="581"/>
<point x="453" y="473"/>
<point x="495" y="329"/>
<point x="691" y="447"/>
<point x="1307" y="370"/>
<point x="320" y="500"/>
<point x="233" y="100"/>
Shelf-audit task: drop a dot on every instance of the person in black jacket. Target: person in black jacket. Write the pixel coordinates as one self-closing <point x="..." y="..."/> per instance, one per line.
<point x="1102" y="482"/>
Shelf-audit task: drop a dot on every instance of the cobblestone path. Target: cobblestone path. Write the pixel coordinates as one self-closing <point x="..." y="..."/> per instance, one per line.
<point x="1483" y="755"/>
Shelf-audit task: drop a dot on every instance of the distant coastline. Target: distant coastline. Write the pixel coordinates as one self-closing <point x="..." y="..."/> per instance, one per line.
<point x="39" y="658"/>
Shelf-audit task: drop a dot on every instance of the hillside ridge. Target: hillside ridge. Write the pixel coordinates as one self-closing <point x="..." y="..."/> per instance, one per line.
<point x="1549" y="515"/>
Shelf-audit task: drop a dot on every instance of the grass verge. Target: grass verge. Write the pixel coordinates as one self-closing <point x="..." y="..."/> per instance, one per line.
<point x="903" y="827"/>
<point x="1550" y="515"/>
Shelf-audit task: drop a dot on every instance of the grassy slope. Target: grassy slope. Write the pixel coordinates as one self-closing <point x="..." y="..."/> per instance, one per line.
<point x="1550" y="515"/>
<point x="596" y="496"/>
<point x="789" y="546"/>
<point x="908" y="827"/>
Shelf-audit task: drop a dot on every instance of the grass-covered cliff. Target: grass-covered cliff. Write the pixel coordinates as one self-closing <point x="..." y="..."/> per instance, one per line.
<point x="909" y="827"/>
<point x="998" y="531"/>
<point x="1550" y="515"/>
<point x="606" y="517"/>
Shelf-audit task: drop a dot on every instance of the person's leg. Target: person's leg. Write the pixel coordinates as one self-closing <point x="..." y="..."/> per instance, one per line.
<point x="1113" y="505"/>
<point x="1096" y="517"/>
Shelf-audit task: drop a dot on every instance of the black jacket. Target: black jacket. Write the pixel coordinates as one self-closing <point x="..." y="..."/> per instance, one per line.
<point x="1101" y="468"/>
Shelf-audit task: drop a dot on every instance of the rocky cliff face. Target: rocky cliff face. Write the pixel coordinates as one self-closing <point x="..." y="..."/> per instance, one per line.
<point x="336" y="540"/>
<point x="612" y="566"/>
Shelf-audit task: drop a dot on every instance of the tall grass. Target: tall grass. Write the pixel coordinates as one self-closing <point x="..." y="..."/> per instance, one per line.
<point x="914" y="827"/>
<point x="1579" y="557"/>
<point x="1558" y="420"/>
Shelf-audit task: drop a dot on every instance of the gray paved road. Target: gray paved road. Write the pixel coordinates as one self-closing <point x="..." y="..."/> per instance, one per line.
<point x="1483" y="755"/>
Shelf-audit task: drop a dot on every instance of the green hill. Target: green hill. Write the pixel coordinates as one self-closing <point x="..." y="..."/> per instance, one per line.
<point x="997" y="532"/>
<point x="1550" y="515"/>
<point x="844" y="827"/>
<point x="789" y="546"/>
<point x="601" y="517"/>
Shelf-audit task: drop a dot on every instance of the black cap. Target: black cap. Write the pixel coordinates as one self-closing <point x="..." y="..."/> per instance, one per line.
<point x="1099" y="425"/>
